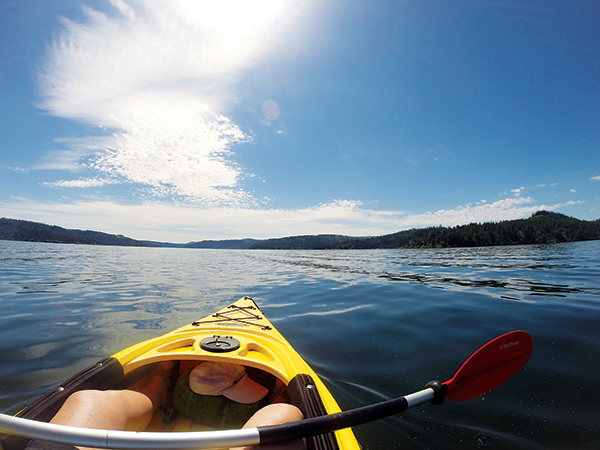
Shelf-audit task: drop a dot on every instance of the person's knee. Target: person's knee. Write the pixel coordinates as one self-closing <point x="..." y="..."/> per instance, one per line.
<point x="86" y="398"/>
<point x="283" y="412"/>
<point x="274" y="414"/>
<point x="106" y="409"/>
<point x="80" y="408"/>
<point x="97" y="400"/>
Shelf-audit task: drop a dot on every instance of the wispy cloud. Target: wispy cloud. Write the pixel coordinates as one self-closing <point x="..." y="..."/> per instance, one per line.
<point x="81" y="183"/>
<point x="69" y="160"/>
<point x="181" y="223"/>
<point x="152" y="77"/>
<point x="595" y="178"/>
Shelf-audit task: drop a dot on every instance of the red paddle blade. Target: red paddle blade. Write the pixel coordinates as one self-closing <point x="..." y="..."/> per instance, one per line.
<point x="490" y="366"/>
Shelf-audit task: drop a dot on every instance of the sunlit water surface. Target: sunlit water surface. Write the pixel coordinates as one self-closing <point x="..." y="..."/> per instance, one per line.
<point x="373" y="323"/>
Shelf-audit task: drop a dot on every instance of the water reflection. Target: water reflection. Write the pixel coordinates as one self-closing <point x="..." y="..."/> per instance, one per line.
<point x="519" y="286"/>
<point x="522" y="273"/>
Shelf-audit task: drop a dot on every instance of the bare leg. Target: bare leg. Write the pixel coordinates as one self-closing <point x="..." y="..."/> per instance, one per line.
<point x="272" y="415"/>
<point x="130" y="409"/>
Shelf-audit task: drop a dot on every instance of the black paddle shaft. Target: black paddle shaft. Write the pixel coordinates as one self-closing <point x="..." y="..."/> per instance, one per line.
<point x="324" y="424"/>
<point x="364" y="414"/>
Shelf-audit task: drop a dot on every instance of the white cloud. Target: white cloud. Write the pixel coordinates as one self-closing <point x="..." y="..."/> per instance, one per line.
<point x="81" y="183"/>
<point x="517" y="191"/>
<point x="69" y="160"/>
<point x="181" y="223"/>
<point x="151" y="76"/>
<point x="17" y="169"/>
<point x="506" y="209"/>
<point x="595" y="178"/>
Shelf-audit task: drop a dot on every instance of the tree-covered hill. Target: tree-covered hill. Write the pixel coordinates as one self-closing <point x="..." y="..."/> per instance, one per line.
<point x="394" y="240"/>
<point x="235" y="244"/>
<point x="312" y="242"/>
<point x="23" y="230"/>
<point x="543" y="227"/>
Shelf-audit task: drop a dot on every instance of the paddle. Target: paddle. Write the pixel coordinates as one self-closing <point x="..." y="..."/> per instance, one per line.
<point x="486" y="369"/>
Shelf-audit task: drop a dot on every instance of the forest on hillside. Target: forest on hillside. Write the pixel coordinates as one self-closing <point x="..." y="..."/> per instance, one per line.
<point x="543" y="227"/>
<point x="24" y="230"/>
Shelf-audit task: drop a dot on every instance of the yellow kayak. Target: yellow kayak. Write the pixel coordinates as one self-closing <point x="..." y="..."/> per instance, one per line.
<point x="240" y="334"/>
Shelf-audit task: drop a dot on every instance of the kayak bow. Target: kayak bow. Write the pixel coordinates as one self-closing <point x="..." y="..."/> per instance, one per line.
<point x="240" y="334"/>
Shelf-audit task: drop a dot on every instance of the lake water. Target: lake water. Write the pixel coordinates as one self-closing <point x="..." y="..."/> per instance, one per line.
<point x="374" y="324"/>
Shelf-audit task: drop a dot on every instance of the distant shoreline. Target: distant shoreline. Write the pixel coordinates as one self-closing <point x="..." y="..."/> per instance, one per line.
<point x="543" y="227"/>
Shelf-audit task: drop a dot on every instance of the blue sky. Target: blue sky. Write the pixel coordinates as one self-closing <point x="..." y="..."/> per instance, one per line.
<point x="190" y="120"/>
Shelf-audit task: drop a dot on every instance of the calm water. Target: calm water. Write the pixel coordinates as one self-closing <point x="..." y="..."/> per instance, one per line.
<point x="374" y="324"/>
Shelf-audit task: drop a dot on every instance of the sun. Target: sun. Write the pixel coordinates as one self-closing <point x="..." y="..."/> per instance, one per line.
<point x="243" y="18"/>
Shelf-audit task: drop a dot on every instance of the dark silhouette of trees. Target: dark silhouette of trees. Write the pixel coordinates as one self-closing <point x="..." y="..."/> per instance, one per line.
<point x="23" y="230"/>
<point x="543" y="227"/>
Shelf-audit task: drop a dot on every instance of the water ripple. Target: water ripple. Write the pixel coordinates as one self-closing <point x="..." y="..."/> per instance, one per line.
<point x="374" y="325"/>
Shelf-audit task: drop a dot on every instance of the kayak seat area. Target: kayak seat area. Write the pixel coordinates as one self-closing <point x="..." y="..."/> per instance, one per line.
<point x="108" y="374"/>
<point x="168" y="419"/>
<point x="300" y="392"/>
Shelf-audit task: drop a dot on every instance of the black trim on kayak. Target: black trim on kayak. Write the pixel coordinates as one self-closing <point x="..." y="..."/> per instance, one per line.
<point x="238" y="315"/>
<point x="102" y="375"/>
<point x="305" y="395"/>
